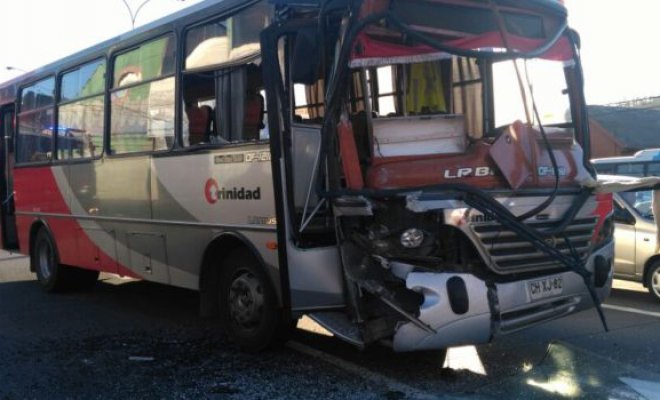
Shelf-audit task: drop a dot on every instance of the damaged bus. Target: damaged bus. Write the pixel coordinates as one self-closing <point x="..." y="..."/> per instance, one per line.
<point x="414" y="173"/>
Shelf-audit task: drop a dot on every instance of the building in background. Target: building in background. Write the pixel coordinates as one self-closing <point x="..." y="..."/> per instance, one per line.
<point x="624" y="128"/>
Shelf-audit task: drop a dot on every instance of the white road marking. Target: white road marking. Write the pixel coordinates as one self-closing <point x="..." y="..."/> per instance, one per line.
<point x="631" y="310"/>
<point x="376" y="378"/>
<point x="650" y="390"/>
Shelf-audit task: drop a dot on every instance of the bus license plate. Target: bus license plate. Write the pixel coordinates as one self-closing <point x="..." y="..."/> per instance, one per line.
<point x="546" y="287"/>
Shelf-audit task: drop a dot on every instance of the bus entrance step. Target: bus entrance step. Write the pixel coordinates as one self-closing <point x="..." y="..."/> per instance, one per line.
<point x="339" y="324"/>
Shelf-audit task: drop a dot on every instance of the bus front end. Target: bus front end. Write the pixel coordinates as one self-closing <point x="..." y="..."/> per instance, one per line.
<point x="454" y="160"/>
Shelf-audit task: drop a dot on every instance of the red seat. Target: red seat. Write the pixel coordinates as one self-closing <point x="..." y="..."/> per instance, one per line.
<point x="254" y="115"/>
<point x="199" y="123"/>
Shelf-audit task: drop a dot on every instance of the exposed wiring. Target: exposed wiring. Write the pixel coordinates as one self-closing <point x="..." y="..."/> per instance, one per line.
<point x="551" y="154"/>
<point x="472" y="196"/>
<point x="505" y="39"/>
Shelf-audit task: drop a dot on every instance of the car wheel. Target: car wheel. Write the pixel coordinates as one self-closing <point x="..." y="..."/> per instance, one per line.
<point x="53" y="276"/>
<point x="248" y="303"/>
<point x="653" y="280"/>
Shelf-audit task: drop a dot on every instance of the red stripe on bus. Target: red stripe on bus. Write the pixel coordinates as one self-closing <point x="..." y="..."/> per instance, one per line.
<point x="37" y="192"/>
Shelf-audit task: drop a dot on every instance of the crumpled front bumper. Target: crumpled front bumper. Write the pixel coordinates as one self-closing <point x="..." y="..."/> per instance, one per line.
<point x="463" y="309"/>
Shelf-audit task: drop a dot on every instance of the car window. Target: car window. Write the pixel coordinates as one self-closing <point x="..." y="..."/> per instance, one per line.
<point x="641" y="201"/>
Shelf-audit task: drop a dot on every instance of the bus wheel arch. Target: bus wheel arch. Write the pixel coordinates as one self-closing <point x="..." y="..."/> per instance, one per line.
<point x="45" y="262"/>
<point x="236" y="287"/>
<point x="212" y="265"/>
<point x="210" y="271"/>
<point x="247" y="299"/>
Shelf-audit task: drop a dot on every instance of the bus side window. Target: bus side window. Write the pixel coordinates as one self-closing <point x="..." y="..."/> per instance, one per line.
<point x="80" y="113"/>
<point x="604" y="168"/>
<point x="636" y="169"/>
<point x="241" y="109"/>
<point x="142" y="98"/>
<point x="253" y="120"/>
<point x="653" y="168"/>
<point x="35" y="122"/>
<point x="220" y="52"/>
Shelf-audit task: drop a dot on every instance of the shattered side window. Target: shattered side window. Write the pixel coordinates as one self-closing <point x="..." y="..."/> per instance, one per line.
<point x="309" y="103"/>
<point x="151" y="60"/>
<point x="227" y="39"/>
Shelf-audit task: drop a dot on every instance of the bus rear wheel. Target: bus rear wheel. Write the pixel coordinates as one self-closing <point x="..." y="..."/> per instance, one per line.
<point x="248" y="303"/>
<point x="53" y="276"/>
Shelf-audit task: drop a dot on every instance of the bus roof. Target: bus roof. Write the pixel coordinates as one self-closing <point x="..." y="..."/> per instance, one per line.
<point x="642" y="155"/>
<point x="201" y="11"/>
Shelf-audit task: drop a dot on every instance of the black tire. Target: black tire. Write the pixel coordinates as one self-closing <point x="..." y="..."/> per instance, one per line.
<point x="248" y="303"/>
<point x="653" y="280"/>
<point x="53" y="276"/>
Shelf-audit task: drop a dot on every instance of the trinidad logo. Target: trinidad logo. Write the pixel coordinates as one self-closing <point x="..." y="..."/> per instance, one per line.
<point x="213" y="192"/>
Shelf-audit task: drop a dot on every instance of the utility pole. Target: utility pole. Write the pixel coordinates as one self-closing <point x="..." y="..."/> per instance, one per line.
<point x="11" y="68"/>
<point x="134" y="14"/>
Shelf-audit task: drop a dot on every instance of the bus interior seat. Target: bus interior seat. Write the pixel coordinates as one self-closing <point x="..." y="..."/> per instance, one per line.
<point x="254" y="117"/>
<point x="199" y="122"/>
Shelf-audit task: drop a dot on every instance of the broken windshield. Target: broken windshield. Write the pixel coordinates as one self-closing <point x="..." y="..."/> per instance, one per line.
<point x="544" y="85"/>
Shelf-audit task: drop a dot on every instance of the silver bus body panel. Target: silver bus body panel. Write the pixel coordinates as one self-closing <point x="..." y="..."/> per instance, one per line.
<point x="156" y="219"/>
<point x="315" y="278"/>
<point x="314" y="274"/>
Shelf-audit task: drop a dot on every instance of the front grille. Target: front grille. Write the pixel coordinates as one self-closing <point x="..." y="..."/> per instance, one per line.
<point x="510" y="253"/>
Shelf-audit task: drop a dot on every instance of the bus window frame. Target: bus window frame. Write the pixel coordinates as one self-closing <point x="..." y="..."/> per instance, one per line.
<point x="19" y="111"/>
<point x="110" y="89"/>
<point x="104" y="93"/>
<point x="227" y="65"/>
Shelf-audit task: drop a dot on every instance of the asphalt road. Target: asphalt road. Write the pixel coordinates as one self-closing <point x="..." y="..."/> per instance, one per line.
<point x="130" y="339"/>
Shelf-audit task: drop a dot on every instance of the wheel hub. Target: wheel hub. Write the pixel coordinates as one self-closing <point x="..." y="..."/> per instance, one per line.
<point x="246" y="301"/>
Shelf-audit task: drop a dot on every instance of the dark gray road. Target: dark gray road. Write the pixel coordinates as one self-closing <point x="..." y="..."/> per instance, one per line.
<point x="129" y="339"/>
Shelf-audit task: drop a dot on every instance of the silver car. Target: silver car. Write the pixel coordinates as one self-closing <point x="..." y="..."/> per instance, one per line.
<point x="636" y="256"/>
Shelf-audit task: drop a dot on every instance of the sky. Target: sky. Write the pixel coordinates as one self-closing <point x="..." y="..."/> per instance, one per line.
<point x="619" y="54"/>
<point x="619" y="47"/>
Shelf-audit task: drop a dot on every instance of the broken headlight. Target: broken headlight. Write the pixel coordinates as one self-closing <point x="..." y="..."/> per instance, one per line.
<point x="392" y="243"/>
<point x="412" y="238"/>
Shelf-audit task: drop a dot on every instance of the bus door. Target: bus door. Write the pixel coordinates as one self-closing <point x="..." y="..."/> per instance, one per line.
<point x="7" y="216"/>
<point x="294" y="87"/>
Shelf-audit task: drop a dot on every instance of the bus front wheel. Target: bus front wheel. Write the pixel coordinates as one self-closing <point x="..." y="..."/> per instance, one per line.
<point x="248" y="303"/>
<point x="53" y="276"/>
